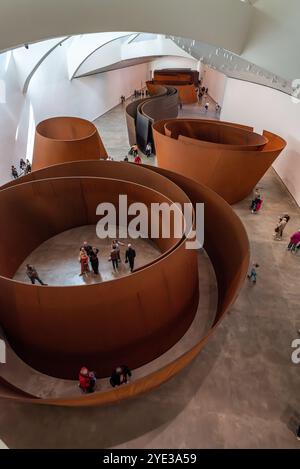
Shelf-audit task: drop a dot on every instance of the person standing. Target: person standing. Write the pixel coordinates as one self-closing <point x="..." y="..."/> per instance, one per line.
<point x="114" y="258"/>
<point x="87" y="380"/>
<point x="116" y="244"/>
<point x="87" y="247"/>
<point x="256" y="201"/>
<point x="84" y="262"/>
<point x="28" y="167"/>
<point x="282" y="222"/>
<point x="148" y="149"/>
<point x="137" y="159"/>
<point x="94" y="260"/>
<point x="133" y="150"/>
<point x="130" y="256"/>
<point x="298" y="433"/>
<point x="33" y="275"/>
<point x="253" y="273"/>
<point x="14" y="172"/>
<point x="22" y="164"/>
<point x="206" y="106"/>
<point x="120" y="376"/>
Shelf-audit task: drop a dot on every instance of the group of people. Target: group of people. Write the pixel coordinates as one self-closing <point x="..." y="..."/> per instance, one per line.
<point x="88" y="255"/>
<point x="283" y="220"/>
<point x="88" y="379"/>
<point x="140" y="93"/>
<point x="201" y="92"/>
<point x="115" y="256"/>
<point x="25" y="168"/>
<point x="134" y="152"/>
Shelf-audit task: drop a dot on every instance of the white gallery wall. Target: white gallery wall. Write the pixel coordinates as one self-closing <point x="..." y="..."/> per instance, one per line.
<point x="266" y="108"/>
<point x="215" y="82"/>
<point x="51" y="93"/>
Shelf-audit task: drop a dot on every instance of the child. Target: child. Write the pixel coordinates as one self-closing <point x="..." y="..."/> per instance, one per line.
<point x="253" y="273"/>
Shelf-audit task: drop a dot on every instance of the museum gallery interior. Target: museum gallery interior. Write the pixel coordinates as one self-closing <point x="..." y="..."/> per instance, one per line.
<point x="116" y="330"/>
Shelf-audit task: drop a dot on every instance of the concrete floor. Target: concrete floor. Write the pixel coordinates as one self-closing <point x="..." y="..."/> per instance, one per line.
<point x="242" y="391"/>
<point x="56" y="260"/>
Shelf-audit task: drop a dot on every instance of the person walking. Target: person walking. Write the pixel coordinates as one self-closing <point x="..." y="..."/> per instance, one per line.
<point x="114" y="258"/>
<point x="206" y="106"/>
<point x="279" y="229"/>
<point x="33" y="275"/>
<point x="84" y="262"/>
<point x="253" y="273"/>
<point x="130" y="256"/>
<point x="94" y="260"/>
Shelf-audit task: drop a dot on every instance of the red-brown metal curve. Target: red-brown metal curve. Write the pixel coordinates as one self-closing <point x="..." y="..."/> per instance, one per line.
<point x="109" y="322"/>
<point x="230" y="260"/>
<point x="224" y="156"/>
<point x="62" y="139"/>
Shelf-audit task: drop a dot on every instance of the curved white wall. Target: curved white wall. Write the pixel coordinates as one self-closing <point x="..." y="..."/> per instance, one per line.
<point x="51" y="93"/>
<point x="224" y="23"/>
<point x="265" y="108"/>
<point x="215" y="82"/>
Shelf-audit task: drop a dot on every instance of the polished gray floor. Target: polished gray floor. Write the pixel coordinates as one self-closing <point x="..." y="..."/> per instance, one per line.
<point x="243" y="389"/>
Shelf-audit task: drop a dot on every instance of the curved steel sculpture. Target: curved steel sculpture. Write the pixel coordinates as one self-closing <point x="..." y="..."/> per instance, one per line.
<point x="62" y="139"/>
<point x="142" y="113"/>
<point x="229" y="158"/>
<point x="186" y="82"/>
<point x="157" y="320"/>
